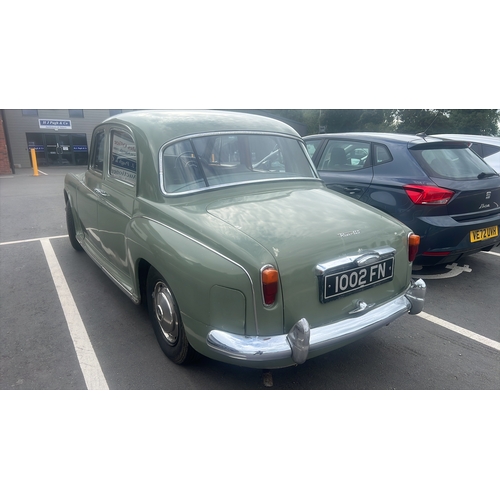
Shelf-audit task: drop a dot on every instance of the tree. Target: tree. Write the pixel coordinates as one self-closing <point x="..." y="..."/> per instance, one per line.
<point x="342" y="120"/>
<point x="415" y="121"/>
<point x="409" y="121"/>
<point x="474" y="121"/>
<point x="376" y="120"/>
<point x="442" y="121"/>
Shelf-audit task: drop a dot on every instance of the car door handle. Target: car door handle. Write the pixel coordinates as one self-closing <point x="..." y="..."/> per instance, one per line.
<point x="100" y="192"/>
<point x="352" y="190"/>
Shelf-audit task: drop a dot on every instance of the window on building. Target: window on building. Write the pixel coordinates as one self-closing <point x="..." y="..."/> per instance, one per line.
<point x="30" y="112"/>
<point x="75" y="113"/>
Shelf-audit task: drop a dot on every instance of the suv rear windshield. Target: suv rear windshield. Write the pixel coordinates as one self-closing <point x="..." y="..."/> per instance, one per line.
<point x="451" y="162"/>
<point x="214" y="160"/>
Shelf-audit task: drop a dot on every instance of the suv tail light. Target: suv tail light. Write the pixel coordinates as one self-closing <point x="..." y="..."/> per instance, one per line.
<point x="428" y="195"/>
<point x="413" y="243"/>
<point x="269" y="278"/>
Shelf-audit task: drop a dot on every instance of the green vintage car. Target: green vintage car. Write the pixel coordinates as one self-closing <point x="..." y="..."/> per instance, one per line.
<point x="220" y="223"/>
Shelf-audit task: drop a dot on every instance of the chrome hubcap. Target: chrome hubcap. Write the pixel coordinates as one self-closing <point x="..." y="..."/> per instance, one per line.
<point x="165" y="312"/>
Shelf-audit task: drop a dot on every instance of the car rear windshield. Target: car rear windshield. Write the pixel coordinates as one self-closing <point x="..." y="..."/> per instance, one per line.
<point x="456" y="162"/>
<point x="215" y="160"/>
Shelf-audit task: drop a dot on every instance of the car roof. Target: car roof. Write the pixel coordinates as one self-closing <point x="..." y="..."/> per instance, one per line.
<point x="483" y="139"/>
<point x="162" y="126"/>
<point x="379" y="136"/>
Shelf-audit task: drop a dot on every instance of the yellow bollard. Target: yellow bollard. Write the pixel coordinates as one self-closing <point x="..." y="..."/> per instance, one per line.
<point x="35" y="164"/>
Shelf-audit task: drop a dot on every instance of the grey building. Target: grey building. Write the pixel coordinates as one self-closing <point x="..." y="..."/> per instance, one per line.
<point x="58" y="136"/>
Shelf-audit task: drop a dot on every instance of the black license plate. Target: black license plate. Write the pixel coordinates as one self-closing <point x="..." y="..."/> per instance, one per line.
<point x="353" y="280"/>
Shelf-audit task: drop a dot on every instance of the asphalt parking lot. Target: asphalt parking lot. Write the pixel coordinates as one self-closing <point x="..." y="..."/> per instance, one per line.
<point x="65" y="325"/>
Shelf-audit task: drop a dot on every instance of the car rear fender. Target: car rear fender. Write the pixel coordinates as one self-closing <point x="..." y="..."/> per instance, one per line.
<point x="71" y="183"/>
<point x="204" y="281"/>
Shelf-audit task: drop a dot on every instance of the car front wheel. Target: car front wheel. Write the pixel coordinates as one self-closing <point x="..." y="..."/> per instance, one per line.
<point x="166" y="320"/>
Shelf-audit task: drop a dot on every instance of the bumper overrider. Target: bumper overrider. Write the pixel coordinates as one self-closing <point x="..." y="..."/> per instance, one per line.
<point x="303" y="342"/>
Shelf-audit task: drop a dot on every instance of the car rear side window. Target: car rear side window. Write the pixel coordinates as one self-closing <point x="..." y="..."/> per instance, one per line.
<point x="123" y="164"/>
<point x="381" y="154"/>
<point x="458" y="163"/>
<point x="343" y="155"/>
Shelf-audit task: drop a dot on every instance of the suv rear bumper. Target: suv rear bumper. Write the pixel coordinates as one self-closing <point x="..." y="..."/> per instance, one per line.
<point x="446" y="239"/>
<point x="303" y="342"/>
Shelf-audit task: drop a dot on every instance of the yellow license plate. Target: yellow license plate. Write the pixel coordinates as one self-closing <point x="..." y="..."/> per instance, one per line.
<point x="484" y="234"/>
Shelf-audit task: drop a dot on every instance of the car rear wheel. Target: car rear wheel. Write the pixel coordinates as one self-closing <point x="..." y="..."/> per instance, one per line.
<point x="70" y="223"/>
<point x="166" y="320"/>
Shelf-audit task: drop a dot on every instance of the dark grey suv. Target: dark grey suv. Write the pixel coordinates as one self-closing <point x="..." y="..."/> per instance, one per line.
<point x="439" y="188"/>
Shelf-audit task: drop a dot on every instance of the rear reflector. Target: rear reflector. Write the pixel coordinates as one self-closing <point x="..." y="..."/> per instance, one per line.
<point x="413" y="243"/>
<point x="269" y="277"/>
<point x="428" y="195"/>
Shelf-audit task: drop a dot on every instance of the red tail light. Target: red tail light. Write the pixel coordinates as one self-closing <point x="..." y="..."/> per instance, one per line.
<point x="428" y="195"/>
<point x="270" y="278"/>
<point x="413" y="243"/>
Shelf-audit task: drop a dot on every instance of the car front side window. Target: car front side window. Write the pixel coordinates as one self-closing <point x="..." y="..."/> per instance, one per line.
<point x="342" y="156"/>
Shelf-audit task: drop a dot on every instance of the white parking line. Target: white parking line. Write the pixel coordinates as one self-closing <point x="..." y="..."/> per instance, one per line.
<point x="94" y="378"/>
<point x="461" y="331"/>
<point x="33" y="239"/>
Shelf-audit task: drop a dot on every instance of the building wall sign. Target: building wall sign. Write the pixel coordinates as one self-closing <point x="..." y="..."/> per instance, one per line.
<point x="54" y="124"/>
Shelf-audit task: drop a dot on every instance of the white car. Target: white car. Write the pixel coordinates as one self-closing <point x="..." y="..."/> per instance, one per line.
<point x="486" y="146"/>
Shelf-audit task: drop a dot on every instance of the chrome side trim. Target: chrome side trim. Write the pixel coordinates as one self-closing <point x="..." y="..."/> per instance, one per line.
<point x="92" y="253"/>
<point x="232" y="184"/>
<point x="119" y="284"/>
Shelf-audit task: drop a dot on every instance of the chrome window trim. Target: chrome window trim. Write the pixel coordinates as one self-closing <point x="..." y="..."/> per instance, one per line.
<point x="232" y="184"/>
<point x="93" y="151"/>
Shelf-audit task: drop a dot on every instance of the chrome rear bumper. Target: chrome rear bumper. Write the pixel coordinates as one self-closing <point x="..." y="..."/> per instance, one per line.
<point x="302" y="341"/>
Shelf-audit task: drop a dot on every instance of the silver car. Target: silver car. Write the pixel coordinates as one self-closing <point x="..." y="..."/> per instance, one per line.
<point x="486" y="146"/>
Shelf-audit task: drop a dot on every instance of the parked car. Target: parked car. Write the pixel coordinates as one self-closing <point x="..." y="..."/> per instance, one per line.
<point x="220" y="223"/>
<point x="440" y="189"/>
<point x="487" y="147"/>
